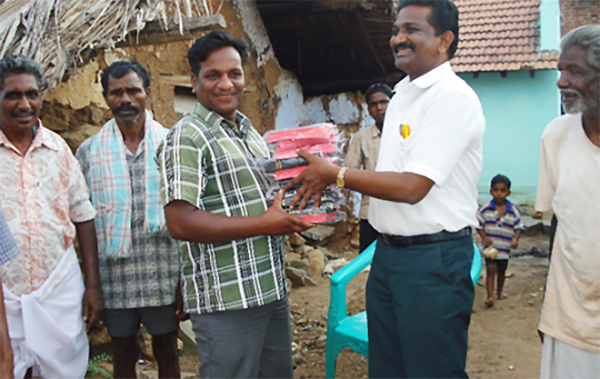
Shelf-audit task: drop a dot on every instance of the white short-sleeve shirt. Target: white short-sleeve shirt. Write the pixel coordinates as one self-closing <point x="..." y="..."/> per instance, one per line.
<point x="569" y="184"/>
<point x="444" y="143"/>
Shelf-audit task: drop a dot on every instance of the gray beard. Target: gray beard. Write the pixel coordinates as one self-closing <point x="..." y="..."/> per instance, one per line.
<point x="571" y="108"/>
<point x="582" y="105"/>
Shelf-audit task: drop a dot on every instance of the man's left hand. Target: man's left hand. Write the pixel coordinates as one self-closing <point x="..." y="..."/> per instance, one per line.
<point x="514" y="243"/>
<point x="317" y="176"/>
<point x="92" y="308"/>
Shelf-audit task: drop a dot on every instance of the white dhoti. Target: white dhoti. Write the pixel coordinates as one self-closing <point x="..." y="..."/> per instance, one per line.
<point x="46" y="327"/>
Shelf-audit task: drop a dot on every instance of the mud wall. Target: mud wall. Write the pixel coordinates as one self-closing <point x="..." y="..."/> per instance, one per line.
<point x="76" y="108"/>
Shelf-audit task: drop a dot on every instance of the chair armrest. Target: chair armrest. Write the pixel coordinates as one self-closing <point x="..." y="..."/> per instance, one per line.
<point x="346" y="273"/>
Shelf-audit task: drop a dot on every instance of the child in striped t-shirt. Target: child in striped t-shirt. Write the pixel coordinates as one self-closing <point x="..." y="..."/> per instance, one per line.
<point x="500" y="226"/>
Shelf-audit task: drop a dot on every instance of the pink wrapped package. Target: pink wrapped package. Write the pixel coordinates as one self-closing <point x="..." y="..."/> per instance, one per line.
<point x="315" y="149"/>
<point x="317" y="131"/>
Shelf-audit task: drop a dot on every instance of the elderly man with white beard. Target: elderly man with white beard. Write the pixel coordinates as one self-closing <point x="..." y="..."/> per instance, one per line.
<point x="568" y="184"/>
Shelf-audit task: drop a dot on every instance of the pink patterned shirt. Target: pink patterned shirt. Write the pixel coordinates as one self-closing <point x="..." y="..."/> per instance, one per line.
<point x="41" y="195"/>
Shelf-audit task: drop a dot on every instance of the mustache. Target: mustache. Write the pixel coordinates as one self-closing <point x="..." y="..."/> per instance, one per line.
<point x="569" y="92"/>
<point x="22" y="113"/>
<point x="125" y="107"/>
<point x="404" y="45"/>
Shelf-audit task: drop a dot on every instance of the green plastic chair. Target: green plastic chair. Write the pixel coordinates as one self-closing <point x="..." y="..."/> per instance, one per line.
<point x="352" y="332"/>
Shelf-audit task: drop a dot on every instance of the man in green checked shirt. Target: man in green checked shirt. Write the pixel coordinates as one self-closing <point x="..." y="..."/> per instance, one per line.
<point x="231" y="244"/>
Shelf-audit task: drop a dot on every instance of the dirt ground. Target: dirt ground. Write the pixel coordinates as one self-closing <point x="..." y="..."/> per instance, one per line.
<point x="503" y="341"/>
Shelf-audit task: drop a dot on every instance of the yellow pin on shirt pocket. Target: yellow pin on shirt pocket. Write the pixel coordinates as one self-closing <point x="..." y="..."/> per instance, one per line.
<point x="404" y="131"/>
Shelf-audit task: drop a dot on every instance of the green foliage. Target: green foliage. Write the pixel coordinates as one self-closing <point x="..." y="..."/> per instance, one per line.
<point x="95" y="370"/>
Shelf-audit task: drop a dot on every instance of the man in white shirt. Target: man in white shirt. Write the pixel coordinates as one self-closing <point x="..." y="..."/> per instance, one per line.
<point x="569" y="185"/>
<point x="419" y="293"/>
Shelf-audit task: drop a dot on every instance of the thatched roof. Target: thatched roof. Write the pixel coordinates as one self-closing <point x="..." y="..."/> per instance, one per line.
<point x="61" y="34"/>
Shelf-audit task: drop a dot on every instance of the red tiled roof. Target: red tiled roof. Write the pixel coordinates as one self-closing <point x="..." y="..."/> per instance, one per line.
<point x="500" y="35"/>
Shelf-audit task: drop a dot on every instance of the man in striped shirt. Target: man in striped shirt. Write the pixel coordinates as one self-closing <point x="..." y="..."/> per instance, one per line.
<point x="500" y="226"/>
<point x="215" y="202"/>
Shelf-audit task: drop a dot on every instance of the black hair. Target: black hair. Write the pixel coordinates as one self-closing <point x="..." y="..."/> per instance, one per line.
<point x="20" y="64"/>
<point x="121" y="68"/>
<point x="500" y="179"/>
<point x="443" y="18"/>
<point x="212" y="41"/>
<point x="379" y="87"/>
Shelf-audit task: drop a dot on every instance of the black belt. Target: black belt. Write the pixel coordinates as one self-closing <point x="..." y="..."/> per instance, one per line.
<point x="401" y="241"/>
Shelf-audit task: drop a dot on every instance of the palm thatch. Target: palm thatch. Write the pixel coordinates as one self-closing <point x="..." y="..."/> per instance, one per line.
<point x="59" y="34"/>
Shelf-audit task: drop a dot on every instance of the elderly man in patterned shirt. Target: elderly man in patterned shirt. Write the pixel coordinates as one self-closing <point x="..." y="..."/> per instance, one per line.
<point x="215" y="201"/>
<point x="8" y="250"/>
<point x="139" y="262"/>
<point x="45" y="201"/>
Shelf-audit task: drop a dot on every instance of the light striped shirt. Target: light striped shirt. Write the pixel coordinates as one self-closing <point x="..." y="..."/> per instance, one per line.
<point x="363" y="152"/>
<point x="206" y="161"/>
<point x="501" y="229"/>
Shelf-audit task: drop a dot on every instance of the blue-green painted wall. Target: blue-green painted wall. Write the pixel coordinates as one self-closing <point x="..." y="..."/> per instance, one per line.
<point x="517" y="108"/>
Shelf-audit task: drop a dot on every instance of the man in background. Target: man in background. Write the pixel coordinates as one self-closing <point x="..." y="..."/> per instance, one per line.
<point x="139" y="261"/>
<point x="364" y="150"/>
<point x="568" y="184"/>
<point x="45" y="201"/>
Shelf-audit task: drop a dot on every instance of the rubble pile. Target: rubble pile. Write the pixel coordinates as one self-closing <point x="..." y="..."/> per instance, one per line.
<point x="306" y="258"/>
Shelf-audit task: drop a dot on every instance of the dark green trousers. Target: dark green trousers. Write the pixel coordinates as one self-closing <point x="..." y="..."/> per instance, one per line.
<point x="419" y="301"/>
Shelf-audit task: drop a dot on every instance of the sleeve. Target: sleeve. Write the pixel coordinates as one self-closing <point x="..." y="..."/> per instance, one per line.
<point x="8" y="247"/>
<point x="449" y="125"/>
<point x="480" y="219"/>
<point x="518" y="224"/>
<point x="545" y="188"/>
<point x="81" y="209"/>
<point x="354" y="156"/>
<point x="182" y="170"/>
<point x="83" y="158"/>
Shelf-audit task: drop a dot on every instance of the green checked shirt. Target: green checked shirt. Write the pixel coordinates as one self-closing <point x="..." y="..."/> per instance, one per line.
<point x="206" y="161"/>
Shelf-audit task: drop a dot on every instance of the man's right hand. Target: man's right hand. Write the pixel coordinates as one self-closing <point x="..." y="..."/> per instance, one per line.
<point x="278" y="222"/>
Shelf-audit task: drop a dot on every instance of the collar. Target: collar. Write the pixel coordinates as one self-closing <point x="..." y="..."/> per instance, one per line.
<point x="508" y="205"/>
<point x="430" y="78"/>
<point x="215" y="120"/>
<point x="43" y="136"/>
<point x="375" y="132"/>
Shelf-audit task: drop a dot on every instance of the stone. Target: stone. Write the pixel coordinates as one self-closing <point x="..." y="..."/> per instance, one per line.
<point x="302" y="264"/>
<point x="74" y="138"/>
<point x="532" y="226"/>
<point x="153" y="374"/>
<point x="288" y="247"/>
<point x="299" y="277"/>
<point x="296" y="240"/>
<point x="333" y="266"/>
<point x="180" y="345"/>
<point x="145" y="343"/>
<point x="98" y="337"/>
<point x="355" y="242"/>
<point x="54" y="123"/>
<point x="317" y="261"/>
<point x="288" y="285"/>
<point x="328" y="254"/>
<point x="289" y="257"/>
<point x="318" y="233"/>
<point x="304" y="250"/>
<point x="546" y="226"/>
